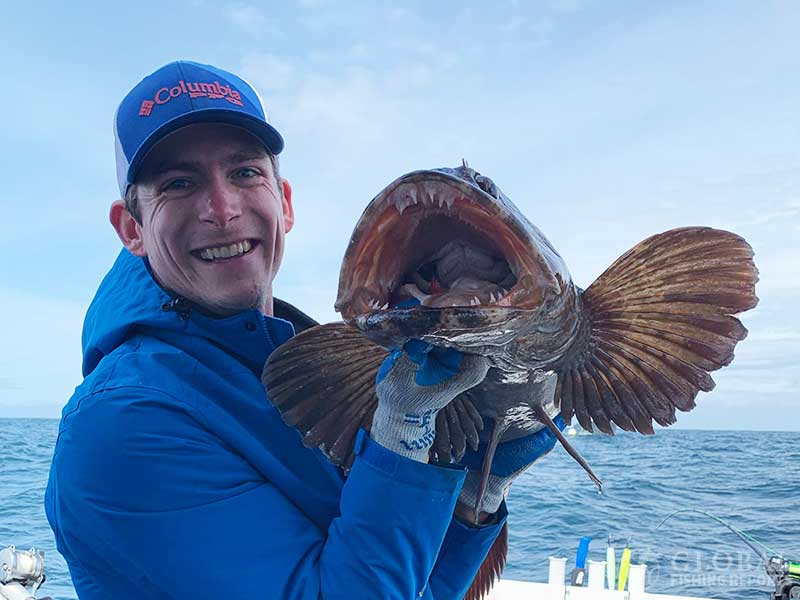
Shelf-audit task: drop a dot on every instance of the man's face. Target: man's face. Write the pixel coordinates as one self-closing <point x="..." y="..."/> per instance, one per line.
<point x="213" y="217"/>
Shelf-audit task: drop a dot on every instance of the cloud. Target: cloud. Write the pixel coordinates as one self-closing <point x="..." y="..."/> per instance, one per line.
<point x="565" y="7"/>
<point x="251" y="19"/>
<point x="767" y="363"/>
<point x="268" y="72"/>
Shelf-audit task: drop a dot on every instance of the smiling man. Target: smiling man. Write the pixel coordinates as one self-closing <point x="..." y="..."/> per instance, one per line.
<point x="216" y="217"/>
<point x="173" y="476"/>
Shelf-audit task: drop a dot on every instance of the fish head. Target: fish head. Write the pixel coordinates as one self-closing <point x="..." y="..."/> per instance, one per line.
<point x="442" y="255"/>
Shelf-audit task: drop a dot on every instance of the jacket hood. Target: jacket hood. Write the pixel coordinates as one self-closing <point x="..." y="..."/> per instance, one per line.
<point x="129" y="299"/>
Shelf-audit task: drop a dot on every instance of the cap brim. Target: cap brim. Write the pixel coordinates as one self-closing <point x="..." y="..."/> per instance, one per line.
<point x="265" y="132"/>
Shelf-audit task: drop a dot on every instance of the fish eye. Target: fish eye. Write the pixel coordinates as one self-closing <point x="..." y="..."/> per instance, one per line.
<point x="486" y="184"/>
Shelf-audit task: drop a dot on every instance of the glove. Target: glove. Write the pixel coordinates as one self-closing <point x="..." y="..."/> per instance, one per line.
<point x="511" y="458"/>
<point x="413" y="384"/>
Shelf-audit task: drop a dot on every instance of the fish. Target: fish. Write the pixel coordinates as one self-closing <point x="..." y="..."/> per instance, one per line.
<point x="443" y="256"/>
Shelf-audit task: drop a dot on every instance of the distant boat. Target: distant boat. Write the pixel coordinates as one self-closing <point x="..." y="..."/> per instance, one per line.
<point x="573" y="430"/>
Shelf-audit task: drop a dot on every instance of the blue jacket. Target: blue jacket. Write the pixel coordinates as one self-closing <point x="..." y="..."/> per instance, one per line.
<point x="174" y="477"/>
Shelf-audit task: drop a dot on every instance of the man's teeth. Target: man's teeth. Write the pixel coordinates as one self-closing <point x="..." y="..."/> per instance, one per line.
<point x="229" y="251"/>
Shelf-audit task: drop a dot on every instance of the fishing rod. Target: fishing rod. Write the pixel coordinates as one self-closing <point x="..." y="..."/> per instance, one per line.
<point x="784" y="573"/>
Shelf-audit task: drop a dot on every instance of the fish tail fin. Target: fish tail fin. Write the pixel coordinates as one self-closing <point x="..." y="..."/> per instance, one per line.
<point x="491" y="568"/>
<point x="322" y="381"/>
<point x="659" y="319"/>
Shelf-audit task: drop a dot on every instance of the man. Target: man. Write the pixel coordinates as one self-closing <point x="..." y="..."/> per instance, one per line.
<point x="173" y="476"/>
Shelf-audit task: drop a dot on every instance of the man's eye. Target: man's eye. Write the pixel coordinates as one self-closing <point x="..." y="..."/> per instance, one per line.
<point x="177" y="185"/>
<point x="247" y="172"/>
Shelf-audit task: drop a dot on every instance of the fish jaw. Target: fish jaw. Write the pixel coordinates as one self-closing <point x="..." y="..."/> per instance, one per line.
<point x="486" y="331"/>
<point x="416" y="218"/>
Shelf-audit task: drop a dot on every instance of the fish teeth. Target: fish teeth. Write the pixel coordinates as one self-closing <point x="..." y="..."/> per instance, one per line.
<point x="475" y="301"/>
<point x="403" y="204"/>
<point x="492" y="298"/>
<point x="376" y="305"/>
<point x="409" y="198"/>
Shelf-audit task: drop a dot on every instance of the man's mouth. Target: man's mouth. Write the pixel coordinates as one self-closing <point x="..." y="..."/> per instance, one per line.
<point x="226" y="251"/>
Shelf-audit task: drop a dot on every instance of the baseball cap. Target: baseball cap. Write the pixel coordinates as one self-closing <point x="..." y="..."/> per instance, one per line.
<point x="178" y="94"/>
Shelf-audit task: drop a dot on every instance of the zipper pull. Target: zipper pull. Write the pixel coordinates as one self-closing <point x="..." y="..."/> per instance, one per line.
<point x="180" y="306"/>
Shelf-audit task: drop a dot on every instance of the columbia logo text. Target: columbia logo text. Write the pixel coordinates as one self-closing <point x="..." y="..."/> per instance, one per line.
<point x="213" y="90"/>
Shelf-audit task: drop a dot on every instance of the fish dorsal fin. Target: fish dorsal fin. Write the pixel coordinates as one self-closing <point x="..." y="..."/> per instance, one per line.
<point x="660" y="320"/>
<point x="491" y="567"/>
<point x="322" y="381"/>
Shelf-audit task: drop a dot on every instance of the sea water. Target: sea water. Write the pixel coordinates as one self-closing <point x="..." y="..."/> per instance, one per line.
<point x="750" y="479"/>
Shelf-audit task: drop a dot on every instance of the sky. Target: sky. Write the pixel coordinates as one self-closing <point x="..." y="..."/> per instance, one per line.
<point x="604" y="121"/>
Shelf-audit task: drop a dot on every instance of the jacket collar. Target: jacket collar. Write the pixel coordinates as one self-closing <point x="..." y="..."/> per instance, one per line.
<point x="129" y="299"/>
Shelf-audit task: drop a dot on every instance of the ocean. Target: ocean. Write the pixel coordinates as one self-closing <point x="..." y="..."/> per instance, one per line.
<point x="749" y="479"/>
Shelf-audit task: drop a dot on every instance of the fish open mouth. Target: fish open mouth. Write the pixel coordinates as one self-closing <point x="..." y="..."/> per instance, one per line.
<point x="444" y="242"/>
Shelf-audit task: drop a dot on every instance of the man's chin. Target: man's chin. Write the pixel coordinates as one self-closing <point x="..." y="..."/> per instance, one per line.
<point x="228" y="305"/>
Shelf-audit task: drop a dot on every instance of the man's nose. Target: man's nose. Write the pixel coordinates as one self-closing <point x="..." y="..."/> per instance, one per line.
<point x="223" y="203"/>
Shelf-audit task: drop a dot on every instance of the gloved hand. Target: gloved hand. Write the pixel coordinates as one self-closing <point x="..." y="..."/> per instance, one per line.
<point x="413" y="384"/>
<point x="510" y="460"/>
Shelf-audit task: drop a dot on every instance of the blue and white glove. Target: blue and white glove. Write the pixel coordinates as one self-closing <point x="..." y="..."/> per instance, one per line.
<point x="413" y="385"/>
<point x="510" y="459"/>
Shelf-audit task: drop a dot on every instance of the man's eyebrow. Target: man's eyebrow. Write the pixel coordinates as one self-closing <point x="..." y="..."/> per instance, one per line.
<point x="245" y="155"/>
<point x="173" y="165"/>
<point x="193" y="167"/>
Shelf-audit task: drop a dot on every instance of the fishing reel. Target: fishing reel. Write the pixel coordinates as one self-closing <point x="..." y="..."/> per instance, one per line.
<point x="786" y="575"/>
<point x="21" y="573"/>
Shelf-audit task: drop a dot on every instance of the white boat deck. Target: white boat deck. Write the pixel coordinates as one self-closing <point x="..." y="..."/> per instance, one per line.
<point x="596" y="586"/>
<point x="509" y="589"/>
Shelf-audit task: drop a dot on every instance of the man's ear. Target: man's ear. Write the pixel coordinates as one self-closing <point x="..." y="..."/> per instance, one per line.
<point x="128" y="230"/>
<point x="288" y="209"/>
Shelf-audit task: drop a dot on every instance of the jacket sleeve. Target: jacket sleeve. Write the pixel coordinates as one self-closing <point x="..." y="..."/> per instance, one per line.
<point x="156" y="506"/>
<point x="464" y="549"/>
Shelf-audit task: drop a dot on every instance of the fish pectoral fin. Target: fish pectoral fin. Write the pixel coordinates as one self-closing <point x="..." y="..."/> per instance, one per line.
<point x="322" y="381"/>
<point x="491" y="568"/>
<point x="661" y="318"/>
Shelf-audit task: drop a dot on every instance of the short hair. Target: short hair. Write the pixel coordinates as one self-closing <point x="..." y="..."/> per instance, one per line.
<point x="132" y="198"/>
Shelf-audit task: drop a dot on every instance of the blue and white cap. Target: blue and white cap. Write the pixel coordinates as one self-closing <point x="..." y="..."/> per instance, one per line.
<point x="179" y="94"/>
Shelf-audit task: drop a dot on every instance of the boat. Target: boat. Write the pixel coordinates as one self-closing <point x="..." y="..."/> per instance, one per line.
<point x="22" y="573"/>
<point x="595" y="588"/>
